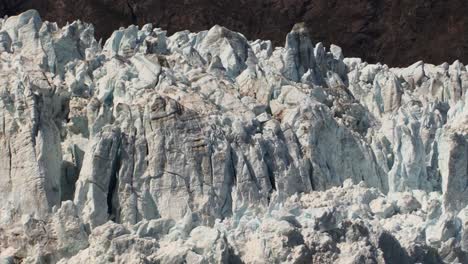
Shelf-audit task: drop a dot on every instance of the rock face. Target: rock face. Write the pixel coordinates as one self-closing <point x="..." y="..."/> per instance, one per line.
<point x="209" y="148"/>
<point x="396" y="32"/>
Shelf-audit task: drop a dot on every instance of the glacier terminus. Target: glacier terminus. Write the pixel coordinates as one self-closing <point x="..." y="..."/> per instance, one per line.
<point x="209" y="148"/>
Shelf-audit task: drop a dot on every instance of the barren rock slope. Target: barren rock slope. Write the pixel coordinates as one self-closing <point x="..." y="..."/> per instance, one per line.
<point x="395" y="32"/>
<point x="209" y="148"/>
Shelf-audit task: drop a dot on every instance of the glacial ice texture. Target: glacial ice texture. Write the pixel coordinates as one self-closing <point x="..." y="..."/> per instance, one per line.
<point x="209" y="148"/>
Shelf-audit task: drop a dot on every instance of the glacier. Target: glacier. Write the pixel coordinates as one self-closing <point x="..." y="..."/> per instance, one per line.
<point x="210" y="148"/>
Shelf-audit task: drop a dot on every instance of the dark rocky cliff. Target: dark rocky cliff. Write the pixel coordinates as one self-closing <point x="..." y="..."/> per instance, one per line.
<point x="396" y="32"/>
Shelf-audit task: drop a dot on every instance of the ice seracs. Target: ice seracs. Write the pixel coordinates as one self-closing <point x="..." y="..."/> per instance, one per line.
<point x="206" y="148"/>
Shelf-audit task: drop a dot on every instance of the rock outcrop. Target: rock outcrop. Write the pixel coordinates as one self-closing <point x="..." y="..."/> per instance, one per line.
<point x="395" y="32"/>
<point x="210" y="148"/>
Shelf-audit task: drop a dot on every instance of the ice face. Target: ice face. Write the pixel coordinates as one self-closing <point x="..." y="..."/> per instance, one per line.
<point x="206" y="147"/>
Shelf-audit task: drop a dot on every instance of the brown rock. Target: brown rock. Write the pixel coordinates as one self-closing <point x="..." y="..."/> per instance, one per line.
<point x="396" y="32"/>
